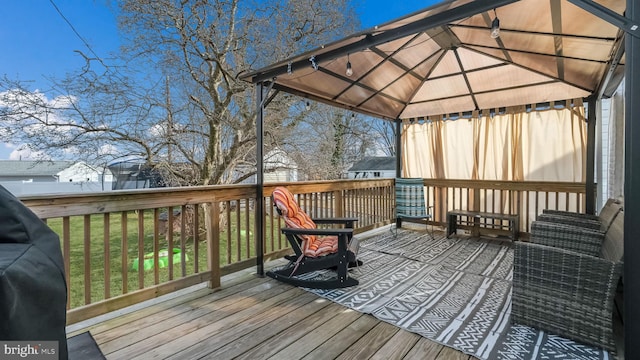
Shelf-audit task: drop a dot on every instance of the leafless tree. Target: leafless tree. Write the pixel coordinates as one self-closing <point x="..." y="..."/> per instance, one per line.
<point x="385" y="133"/>
<point x="330" y="141"/>
<point x="174" y="97"/>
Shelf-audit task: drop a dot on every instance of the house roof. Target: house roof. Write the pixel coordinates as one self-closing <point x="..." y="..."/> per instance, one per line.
<point x="442" y="60"/>
<point x="33" y="168"/>
<point x="371" y="163"/>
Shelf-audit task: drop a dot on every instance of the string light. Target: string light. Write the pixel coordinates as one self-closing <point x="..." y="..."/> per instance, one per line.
<point x="307" y="105"/>
<point x="349" y="71"/>
<point x="313" y="62"/>
<point x="495" y="26"/>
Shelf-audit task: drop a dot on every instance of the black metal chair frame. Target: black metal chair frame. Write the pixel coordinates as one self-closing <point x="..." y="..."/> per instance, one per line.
<point x="340" y="261"/>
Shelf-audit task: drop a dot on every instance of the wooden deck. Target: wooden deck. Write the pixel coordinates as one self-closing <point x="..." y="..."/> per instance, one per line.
<point x="253" y="318"/>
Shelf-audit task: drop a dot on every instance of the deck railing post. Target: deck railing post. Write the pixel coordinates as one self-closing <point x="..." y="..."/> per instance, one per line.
<point x="260" y="208"/>
<point x="213" y="243"/>
<point x="338" y="204"/>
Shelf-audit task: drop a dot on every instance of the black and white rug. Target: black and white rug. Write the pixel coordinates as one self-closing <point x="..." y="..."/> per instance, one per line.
<point x="456" y="292"/>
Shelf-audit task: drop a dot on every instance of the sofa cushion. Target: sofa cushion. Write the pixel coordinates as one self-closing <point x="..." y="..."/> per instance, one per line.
<point x="613" y="244"/>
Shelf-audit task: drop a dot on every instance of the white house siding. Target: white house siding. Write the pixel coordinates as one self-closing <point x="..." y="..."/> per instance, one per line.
<point x="79" y="172"/>
<point x="31" y="178"/>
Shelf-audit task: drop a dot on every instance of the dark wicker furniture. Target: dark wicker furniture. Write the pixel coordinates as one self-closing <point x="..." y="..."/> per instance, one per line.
<point x="565" y="281"/>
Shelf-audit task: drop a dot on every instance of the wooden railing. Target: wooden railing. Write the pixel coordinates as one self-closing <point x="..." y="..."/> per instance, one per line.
<point x="526" y="199"/>
<point x="108" y="238"/>
<point x="118" y="246"/>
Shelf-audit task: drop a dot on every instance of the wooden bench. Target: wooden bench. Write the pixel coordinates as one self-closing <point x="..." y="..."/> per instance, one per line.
<point x="473" y="221"/>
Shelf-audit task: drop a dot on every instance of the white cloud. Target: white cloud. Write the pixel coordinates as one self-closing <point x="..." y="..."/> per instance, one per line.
<point x="17" y="99"/>
<point x="108" y="149"/>
<point x="157" y="130"/>
<point x="29" y="120"/>
<point x="29" y="106"/>
<point x="25" y="152"/>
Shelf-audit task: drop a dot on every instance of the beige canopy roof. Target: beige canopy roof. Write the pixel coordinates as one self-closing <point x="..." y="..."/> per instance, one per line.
<point x="442" y="60"/>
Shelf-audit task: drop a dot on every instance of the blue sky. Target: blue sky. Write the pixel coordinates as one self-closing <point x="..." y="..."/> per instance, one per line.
<point x="36" y="42"/>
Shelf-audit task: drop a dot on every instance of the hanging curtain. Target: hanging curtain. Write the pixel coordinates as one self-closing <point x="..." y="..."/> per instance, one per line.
<point x="517" y="145"/>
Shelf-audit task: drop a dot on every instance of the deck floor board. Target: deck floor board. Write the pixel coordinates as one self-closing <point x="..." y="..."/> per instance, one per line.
<point x="251" y="317"/>
<point x="254" y="318"/>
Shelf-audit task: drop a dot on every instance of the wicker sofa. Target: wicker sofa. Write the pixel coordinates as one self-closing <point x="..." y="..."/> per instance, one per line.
<point x="602" y="221"/>
<point x="565" y="282"/>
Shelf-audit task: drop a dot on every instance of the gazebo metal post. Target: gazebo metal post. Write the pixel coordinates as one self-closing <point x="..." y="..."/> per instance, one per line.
<point x="398" y="124"/>
<point x="259" y="207"/>
<point x="632" y="189"/>
<point x="592" y="117"/>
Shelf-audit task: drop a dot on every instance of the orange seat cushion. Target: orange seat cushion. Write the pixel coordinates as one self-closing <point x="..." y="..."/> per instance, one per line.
<point x="294" y="217"/>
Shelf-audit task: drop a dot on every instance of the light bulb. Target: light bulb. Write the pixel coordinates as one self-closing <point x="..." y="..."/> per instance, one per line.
<point x="495" y="28"/>
<point x="349" y="71"/>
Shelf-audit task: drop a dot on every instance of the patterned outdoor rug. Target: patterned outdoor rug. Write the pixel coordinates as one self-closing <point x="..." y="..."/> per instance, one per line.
<point x="456" y="292"/>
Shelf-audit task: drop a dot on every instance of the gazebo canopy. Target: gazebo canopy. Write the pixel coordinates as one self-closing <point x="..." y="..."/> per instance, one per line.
<point x="443" y="60"/>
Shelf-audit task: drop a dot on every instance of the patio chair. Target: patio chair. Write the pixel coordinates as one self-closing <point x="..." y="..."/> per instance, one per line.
<point x="601" y="221"/>
<point x="410" y="203"/>
<point x="314" y="248"/>
<point x="569" y="289"/>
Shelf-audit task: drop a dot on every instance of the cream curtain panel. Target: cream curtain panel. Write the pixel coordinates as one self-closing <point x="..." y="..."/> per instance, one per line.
<point x="518" y="145"/>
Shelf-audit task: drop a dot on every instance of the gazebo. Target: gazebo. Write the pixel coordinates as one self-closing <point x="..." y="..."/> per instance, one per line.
<point x="463" y="58"/>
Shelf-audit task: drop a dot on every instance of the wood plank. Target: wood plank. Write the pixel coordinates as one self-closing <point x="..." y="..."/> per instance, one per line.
<point x="148" y="340"/>
<point x="369" y="344"/>
<point x="207" y="328"/>
<point x="316" y="337"/>
<point x="179" y="314"/>
<point x="291" y="334"/>
<point x="311" y="315"/>
<point x="448" y="353"/>
<point x="344" y="339"/>
<point x="129" y="317"/>
<point x="424" y="349"/>
<point x="232" y="333"/>
<point x="172" y="340"/>
<point x="99" y="203"/>
<point x="397" y="347"/>
<point x="236" y="283"/>
<point x="134" y="297"/>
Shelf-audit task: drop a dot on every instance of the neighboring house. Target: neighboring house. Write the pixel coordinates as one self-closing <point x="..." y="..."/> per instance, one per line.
<point x="278" y="167"/>
<point x="373" y="167"/>
<point x="81" y="172"/>
<point x="28" y="177"/>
